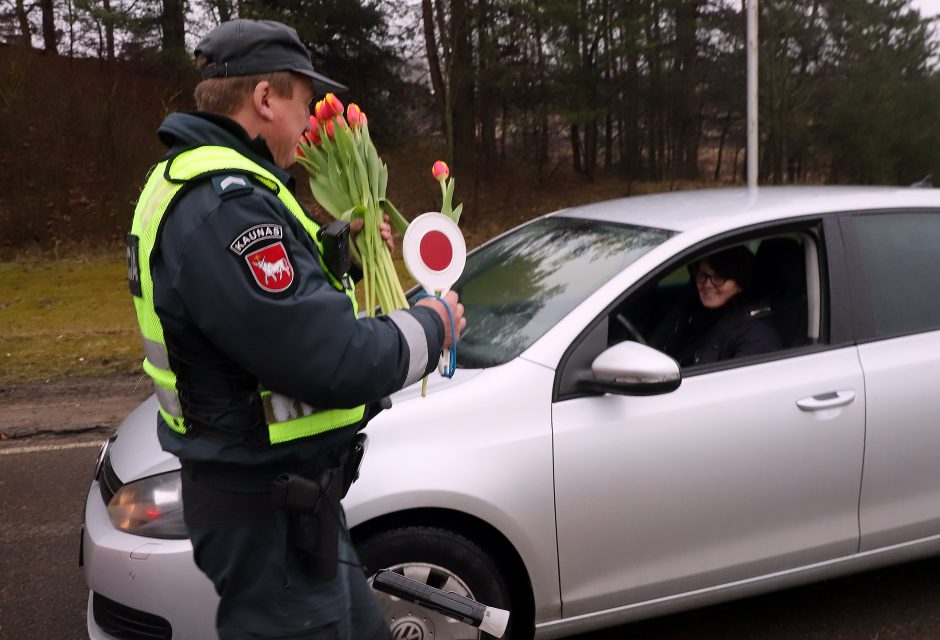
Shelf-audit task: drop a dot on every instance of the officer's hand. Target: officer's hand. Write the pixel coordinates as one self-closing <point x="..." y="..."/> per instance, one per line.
<point x="450" y="298"/>
<point x="385" y="230"/>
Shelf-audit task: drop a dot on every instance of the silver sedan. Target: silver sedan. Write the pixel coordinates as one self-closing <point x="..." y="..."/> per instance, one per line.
<point x="573" y="471"/>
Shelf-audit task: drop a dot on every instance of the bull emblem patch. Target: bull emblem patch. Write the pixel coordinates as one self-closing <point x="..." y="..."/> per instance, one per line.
<point x="271" y="267"/>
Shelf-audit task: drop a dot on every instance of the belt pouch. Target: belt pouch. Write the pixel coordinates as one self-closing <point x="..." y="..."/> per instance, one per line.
<point x="313" y="525"/>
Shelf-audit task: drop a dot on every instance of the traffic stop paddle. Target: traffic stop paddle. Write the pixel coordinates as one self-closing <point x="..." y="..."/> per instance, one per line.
<point x="435" y="254"/>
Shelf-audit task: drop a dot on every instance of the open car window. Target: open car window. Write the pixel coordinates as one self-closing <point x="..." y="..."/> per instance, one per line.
<point x="782" y="310"/>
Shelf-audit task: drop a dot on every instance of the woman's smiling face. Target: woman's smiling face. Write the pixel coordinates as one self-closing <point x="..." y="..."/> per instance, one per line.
<point x="713" y="289"/>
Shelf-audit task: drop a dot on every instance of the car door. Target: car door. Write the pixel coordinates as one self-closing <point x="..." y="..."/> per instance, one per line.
<point x="723" y="479"/>
<point x="894" y="258"/>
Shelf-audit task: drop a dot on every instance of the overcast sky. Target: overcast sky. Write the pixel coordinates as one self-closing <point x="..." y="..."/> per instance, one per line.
<point x="927" y="7"/>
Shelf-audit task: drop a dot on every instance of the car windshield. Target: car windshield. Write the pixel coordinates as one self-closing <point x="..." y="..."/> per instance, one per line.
<point x="517" y="287"/>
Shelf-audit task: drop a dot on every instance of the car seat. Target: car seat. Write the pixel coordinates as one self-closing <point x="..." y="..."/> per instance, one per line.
<point x="781" y="280"/>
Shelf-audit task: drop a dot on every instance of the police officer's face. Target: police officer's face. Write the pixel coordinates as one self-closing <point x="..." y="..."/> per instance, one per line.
<point x="714" y="290"/>
<point x="291" y="117"/>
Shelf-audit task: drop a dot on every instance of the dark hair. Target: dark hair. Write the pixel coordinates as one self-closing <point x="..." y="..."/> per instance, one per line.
<point x="736" y="263"/>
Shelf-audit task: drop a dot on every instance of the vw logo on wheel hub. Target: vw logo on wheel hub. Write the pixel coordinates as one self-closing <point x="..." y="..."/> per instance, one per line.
<point x="410" y="629"/>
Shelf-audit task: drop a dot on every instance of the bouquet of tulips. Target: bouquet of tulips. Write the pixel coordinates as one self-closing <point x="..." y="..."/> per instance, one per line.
<point x="349" y="179"/>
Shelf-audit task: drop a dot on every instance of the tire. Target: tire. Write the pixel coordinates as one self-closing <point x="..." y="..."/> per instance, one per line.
<point x="444" y="560"/>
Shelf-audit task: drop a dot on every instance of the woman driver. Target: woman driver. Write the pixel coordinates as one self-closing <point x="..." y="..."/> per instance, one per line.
<point x="732" y="321"/>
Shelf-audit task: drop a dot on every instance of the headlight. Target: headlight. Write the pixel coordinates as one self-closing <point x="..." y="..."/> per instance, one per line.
<point x="150" y="507"/>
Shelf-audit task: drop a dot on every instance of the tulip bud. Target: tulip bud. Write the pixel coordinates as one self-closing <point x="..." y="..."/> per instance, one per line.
<point x="319" y="111"/>
<point x="353" y="113"/>
<point x="314" y="123"/>
<point x="300" y="152"/>
<point x="440" y="170"/>
<point x="363" y="120"/>
<point x="329" y="129"/>
<point x="314" y="136"/>
<point x="333" y="104"/>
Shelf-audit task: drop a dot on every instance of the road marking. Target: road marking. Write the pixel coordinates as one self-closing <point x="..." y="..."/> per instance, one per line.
<point x="49" y="447"/>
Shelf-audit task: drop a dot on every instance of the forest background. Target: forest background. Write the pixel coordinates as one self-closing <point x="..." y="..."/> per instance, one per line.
<point x="536" y="104"/>
<point x="572" y="97"/>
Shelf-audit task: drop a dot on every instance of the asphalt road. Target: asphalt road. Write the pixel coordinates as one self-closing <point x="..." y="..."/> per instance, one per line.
<point x="42" y="590"/>
<point x="42" y="493"/>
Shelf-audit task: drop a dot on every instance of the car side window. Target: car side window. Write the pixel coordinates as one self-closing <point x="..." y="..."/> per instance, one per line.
<point x="774" y="303"/>
<point x="896" y="265"/>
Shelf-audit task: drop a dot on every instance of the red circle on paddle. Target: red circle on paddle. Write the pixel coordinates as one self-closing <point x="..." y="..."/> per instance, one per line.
<point x="436" y="250"/>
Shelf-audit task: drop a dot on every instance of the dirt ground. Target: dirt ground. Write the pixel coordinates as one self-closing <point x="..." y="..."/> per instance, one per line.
<point x="69" y="407"/>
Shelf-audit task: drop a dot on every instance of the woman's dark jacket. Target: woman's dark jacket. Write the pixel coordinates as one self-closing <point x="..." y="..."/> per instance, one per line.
<point x="740" y="327"/>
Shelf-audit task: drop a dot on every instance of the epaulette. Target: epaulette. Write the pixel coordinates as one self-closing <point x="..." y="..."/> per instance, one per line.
<point x="232" y="185"/>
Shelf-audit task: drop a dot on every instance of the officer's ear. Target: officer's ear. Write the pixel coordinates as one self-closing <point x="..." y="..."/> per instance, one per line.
<point x="261" y="100"/>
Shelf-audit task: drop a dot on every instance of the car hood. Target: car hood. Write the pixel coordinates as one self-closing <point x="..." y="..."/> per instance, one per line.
<point x="136" y="452"/>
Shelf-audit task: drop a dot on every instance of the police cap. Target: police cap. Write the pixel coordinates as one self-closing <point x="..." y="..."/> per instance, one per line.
<point x="249" y="47"/>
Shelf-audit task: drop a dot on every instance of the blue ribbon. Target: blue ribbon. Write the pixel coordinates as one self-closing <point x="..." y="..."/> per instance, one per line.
<point x="449" y="371"/>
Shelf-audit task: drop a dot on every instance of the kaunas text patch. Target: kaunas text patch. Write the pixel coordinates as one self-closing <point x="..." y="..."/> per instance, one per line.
<point x="263" y="254"/>
<point x="254" y="235"/>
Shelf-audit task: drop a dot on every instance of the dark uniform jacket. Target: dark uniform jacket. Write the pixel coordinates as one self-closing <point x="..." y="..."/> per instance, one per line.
<point x="226" y="334"/>
<point x="740" y="327"/>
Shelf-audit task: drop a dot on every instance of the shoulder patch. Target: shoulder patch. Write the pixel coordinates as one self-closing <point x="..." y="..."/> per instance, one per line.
<point x="228" y="186"/>
<point x="265" y="258"/>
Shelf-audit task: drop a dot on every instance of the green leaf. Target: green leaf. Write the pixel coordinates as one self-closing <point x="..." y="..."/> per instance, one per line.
<point x="374" y="166"/>
<point x="325" y="198"/>
<point x="383" y="182"/>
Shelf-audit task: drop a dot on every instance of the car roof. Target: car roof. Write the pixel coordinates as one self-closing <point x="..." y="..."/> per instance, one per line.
<point x="687" y="210"/>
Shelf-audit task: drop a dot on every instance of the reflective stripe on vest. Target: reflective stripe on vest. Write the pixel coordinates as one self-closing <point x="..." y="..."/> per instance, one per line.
<point x="287" y="419"/>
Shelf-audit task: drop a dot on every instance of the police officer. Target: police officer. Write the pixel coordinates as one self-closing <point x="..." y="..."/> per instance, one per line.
<point x="263" y="373"/>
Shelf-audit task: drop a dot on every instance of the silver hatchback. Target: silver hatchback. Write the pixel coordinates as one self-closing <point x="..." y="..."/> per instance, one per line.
<point x="573" y="472"/>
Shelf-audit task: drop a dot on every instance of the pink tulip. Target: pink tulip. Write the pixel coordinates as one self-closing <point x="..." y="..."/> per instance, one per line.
<point x="314" y="124"/>
<point x="333" y="104"/>
<point x="319" y="111"/>
<point x="330" y="131"/>
<point x="353" y="114"/>
<point x="314" y="136"/>
<point x="300" y="152"/>
<point x="440" y="170"/>
<point x="363" y="120"/>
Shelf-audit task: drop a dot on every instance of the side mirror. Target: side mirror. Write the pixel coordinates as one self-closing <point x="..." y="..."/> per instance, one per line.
<point x="633" y="369"/>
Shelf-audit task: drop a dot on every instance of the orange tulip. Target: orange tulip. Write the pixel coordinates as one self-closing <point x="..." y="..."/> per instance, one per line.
<point x="353" y="114"/>
<point x="334" y="105"/>
<point x="319" y="111"/>
<point x="440" y="170"/>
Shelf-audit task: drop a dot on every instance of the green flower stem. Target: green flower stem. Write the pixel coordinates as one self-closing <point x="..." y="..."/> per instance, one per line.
<point x="398" y="221"/>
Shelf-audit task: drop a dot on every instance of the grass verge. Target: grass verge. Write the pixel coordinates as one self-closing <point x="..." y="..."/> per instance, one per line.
<point x="73" y="317"/>
<point x="65" y="318"/>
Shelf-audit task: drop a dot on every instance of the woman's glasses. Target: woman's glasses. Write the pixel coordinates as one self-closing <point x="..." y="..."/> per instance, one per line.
<point x="717" y="281"/>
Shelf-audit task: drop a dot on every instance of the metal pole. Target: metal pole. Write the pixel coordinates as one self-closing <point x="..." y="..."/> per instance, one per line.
<point x="752" y="139"/>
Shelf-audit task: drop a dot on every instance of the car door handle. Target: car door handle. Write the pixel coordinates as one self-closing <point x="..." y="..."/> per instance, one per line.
<point x="829" y="400"/>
